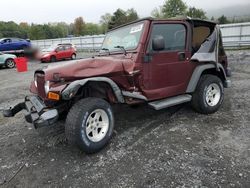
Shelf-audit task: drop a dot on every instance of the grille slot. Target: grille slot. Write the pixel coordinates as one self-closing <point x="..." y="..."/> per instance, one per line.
<point x="40" y="85"/>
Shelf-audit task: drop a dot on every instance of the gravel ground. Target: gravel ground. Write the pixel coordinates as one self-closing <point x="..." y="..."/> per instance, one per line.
<point x="175" y="147"/>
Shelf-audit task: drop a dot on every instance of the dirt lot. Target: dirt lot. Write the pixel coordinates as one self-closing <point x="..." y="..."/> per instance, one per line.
<point x="170" y="148"/>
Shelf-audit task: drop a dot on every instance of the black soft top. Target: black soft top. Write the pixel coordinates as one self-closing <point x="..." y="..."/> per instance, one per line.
<point x="194" y="21"/>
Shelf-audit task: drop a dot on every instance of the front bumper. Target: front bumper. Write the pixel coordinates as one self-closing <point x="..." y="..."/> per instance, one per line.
<point x="36" y="113"/>
<point x="45" y="59"/>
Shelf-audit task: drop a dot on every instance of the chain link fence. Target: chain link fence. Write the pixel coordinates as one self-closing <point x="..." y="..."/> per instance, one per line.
<point x="236" y="35"/>
<point x="85" y="43"/>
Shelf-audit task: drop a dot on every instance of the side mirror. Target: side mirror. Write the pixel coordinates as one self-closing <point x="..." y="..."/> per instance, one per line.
<point x="158" y="43"/>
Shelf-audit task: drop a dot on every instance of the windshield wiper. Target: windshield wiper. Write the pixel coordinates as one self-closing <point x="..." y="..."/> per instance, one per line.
<point x="106" y="49"/>
<point x="122" y="48"/>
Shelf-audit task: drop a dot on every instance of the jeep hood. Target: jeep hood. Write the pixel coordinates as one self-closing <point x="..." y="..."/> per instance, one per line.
<point x="91" y="67"/>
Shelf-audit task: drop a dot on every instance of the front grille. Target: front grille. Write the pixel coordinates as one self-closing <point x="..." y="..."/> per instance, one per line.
<point x="40" y="85"/>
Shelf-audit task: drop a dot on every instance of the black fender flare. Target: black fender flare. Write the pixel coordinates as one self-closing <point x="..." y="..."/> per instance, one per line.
<point x="198" y="72"/>
<point x="73" y="87"/>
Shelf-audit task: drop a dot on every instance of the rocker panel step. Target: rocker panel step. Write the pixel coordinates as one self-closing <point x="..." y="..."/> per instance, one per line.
<point x="168" y="102"/>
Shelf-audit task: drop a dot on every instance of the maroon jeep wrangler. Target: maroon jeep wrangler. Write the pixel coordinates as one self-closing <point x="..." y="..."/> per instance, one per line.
<point x="159" y="62"/>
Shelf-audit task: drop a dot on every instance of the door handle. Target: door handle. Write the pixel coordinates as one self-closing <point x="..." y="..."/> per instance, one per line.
<point x="181" y="56"/>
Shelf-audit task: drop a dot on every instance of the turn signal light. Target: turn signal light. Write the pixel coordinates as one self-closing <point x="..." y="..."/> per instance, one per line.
<point x="53" y="96"/>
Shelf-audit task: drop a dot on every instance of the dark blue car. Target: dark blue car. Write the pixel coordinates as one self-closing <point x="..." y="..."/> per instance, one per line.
<point x="8" y="44"/>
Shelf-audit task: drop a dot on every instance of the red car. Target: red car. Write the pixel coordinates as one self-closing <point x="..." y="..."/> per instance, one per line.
<point x="58" y="52"/>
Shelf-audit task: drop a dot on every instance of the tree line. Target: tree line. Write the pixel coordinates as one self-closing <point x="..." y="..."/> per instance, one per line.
<point x="61" y="29"/>
<point x="170" y="8"/>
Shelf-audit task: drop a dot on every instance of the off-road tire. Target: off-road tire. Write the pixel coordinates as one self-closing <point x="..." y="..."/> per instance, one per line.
<point x="53" y="58"/>
<point x="10" y="63"/>
<point x="199" y="102"/>
<point x="76" y="124"/>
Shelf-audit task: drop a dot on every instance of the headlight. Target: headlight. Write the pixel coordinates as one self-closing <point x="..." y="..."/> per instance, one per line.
<point x="46" y="87"/>
<point x="46" y="55"/>
<point x="56" y="77"/>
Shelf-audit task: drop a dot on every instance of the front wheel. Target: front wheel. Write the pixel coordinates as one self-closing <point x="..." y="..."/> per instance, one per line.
<point x="53" y="59"/>
<point x="208" y="95"/>
<point x="90" y="124"/>
<point x="10" y="63"/>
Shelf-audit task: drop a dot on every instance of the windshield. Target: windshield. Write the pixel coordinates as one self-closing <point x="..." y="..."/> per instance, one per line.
<point x="127" y="37"/>
<point x="50" y="49"/>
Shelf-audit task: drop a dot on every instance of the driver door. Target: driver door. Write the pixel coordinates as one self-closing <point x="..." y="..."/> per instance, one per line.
<point x="166" y="72"/>
<point x="60" y="54"/>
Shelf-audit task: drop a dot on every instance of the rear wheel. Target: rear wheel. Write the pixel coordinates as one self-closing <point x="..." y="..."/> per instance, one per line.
<point x="208" y="95"/>
<point x="90" y="124"/>
<point x="10" y="63"/>
<point x="73" y="56"/>
<point x="53" y="59"/>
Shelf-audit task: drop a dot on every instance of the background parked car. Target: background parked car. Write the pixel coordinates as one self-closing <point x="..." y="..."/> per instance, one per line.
<point x="58" y="52"/>
<point x="8" y="44"/>
<point x="7" y="60"/>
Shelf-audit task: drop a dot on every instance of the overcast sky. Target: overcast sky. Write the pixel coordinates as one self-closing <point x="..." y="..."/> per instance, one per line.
<point x="43" y="11"/>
